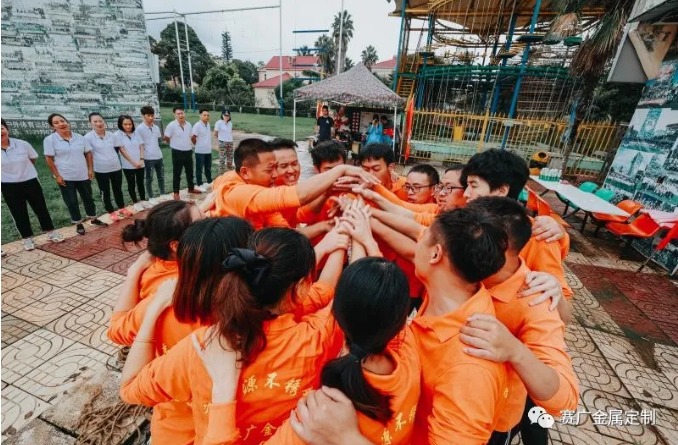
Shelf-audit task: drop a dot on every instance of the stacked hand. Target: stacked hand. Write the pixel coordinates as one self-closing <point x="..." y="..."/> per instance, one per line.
<point x="357" y="220"/>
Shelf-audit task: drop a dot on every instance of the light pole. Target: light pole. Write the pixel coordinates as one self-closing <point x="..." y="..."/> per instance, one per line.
<point x="181" y="66"/>
<point x="190" y="67"/>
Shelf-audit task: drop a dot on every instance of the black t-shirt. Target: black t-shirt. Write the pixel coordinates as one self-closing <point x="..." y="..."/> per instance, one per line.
<point x="325" y="125"/>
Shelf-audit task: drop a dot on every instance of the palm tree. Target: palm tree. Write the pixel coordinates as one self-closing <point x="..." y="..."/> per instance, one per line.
<point x="369" y="57"/>
<point x="347" y="35"/>
<point x="348" y="63"/>
<point x="592" y="57"/>
<point x="326" y="50"/>
<point x="304" y="51"/>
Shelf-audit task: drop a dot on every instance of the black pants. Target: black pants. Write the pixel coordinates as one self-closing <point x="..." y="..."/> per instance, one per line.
<point x="69" y="193"/>
<point x="149" y="166"/>
<point x="203" y="161"/>
<point x="182" y="160"/>
<point x="135" y="181"/>
<point x="106" y="181"/>
<point x="530" y="433"/>
<point x="18" y="195"/>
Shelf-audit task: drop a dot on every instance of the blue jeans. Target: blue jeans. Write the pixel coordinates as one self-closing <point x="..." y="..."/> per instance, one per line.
<point x="203" y="161"/>
<point x="159" y="167"/>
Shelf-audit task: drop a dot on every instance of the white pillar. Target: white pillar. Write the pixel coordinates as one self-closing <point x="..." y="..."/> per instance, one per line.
<point x="190" y="67"/>
<point x="280" y="67"/>
<point x="181" y="67"/>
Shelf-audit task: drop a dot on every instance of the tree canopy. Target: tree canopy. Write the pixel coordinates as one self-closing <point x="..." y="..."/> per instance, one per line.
<point x="369" y="56"/>
<point x="166" y="49"/>
<point x="226" y="47"/>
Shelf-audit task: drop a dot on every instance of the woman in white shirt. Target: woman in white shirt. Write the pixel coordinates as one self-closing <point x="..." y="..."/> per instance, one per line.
<point x="20" y="188"/>
<point x="223" y="130"/>
<point x="107" y="168"/>
<point x="70" y="160"/>
<point x="132" y="150"/>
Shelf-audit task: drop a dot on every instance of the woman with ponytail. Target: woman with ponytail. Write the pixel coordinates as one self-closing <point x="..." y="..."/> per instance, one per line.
<point x="202" y="248"/>
<point x="255" y="319"/>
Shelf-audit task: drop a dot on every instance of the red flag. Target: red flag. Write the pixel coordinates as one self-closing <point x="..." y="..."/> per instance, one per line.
<point x="409" y="121"/>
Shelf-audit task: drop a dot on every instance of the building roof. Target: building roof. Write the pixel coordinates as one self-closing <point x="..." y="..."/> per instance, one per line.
<point x="386" y="64"/>
<point x="291" y="63"/>
<point x="271" y="82"/>
<point x="357" y="86"/>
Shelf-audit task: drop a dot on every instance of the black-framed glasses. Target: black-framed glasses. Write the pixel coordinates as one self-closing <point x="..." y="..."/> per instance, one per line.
<point x="416" y="188"/>
<point x="440" y="188"/>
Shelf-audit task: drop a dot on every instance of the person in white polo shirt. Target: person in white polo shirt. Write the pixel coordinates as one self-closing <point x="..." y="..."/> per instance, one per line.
<point x="150" y="135"/>
<point x="132" y="159"/>
<point x="202" y="138"/>
<point x="69" y="158"/>
<point x="21" y="188"/>
<point x="223" y="130"/>
<point x="178" y="134"/>
<point x="107" y="168"/>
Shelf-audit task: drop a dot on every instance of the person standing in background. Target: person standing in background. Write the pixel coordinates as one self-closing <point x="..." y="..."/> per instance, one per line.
<point x="324" y="125"/>
<point x="150" y="134"/>
<point x="69" y="158"/>
<point x="20" y="186"/>
<point x="132" y="150"/>
<point x="201" y="136"/>
<point x="107" y="168"/>
<point x="223" y="130"/>
<point x="178" y="134"/>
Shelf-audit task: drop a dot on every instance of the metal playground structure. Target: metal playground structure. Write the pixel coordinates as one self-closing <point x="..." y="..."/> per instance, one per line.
<point x="495" y="73"/>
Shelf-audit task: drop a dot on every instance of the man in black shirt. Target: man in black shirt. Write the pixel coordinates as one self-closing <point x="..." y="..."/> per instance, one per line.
<point x="324" y="125"/>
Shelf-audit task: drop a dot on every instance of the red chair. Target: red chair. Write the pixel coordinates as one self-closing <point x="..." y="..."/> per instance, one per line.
<point x="544" y="209"/>
<point x="628" y="205"/>
<point x="532" y="203"/>
<point x="641" y="227"/>
<point x="670" y="236"/>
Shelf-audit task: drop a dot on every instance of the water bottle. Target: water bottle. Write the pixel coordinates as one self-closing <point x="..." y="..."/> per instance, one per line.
<point x="549" y="174"/>
<point x="541" y="173"/>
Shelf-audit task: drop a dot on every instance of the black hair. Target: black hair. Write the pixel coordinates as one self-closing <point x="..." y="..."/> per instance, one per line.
<point x="455" y="167"/>
<point x="325" y="107"/>
<point x="147" y="109"/>
<point x="475" y="244"/>
<point x="200" y="111"/>
<point x="165" y="222"/>
<point x="121" y="120"/>
<point x="498" y="167"/>
<point x="262" y="277"/>
<point x="91" y="115"/>
<point x="226" y="113"/>
<point x="202" y="248"/>
<point x="375" y="116"/>
<point x="371" y="306"/>
<point x="429" y="171"/>
<point x="328" y="151"/>
<point x="376" y="152"/>
<point x="4" y="124"/>
<point x="248" y="151"/>
<point x="174" y="110"/>
<point x="51" y="117"/>
<point x="280" y="143"/>
<point x="511" y="213"/>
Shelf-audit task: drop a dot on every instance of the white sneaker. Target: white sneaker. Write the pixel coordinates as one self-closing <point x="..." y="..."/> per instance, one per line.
<point x="29" y="244"/>
<point x="200" y="188"/>
<point x="55" y="237"/>
<point x="139" y="207"/>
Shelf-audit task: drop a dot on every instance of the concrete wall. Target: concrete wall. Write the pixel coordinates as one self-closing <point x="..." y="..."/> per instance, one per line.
<point x="73" y="57"/>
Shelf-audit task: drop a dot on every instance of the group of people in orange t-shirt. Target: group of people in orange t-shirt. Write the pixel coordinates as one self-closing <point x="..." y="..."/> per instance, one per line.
<point x="352" y="307"/>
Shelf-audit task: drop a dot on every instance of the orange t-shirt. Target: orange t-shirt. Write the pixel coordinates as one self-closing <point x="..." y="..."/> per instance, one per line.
<point x="269" y="387"/>
<point x="261" y="206"/>
<point x="403" y="385"/>
<point x="425" y="219"/>
<point x="155" y="275"/>
<point x="546" y="257"/>
<point x="543" y="332"/>
<point x="392" y="197"/>
<point x="461" y="395"/>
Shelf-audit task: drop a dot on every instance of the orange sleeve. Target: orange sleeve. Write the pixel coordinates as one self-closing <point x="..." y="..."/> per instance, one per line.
<point x="465" y="400"/>
<point x="319" y="295"/>
<point x="306" y="216"/>
<point x="395" y="199"/>
<point x="256" y="200"/>
<point x="541" y="256"/>
<point x="125" y="324"/>
<point x="165" y="379"/>
<point x="221" y="427"/>
<point x="544" y="334"/>
<point x="425" y="219"/>
<point x="276" y="220"/>
<point x="564" y="244"/>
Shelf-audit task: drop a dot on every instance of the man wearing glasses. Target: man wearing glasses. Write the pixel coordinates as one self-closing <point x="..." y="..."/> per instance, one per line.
<point x="421" y="183"/>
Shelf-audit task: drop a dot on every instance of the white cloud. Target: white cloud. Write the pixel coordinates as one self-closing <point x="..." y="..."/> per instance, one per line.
<point x="255" y="34"/>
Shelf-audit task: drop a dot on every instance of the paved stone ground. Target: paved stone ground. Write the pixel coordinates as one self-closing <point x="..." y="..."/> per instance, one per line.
<point x="57" y="300"/>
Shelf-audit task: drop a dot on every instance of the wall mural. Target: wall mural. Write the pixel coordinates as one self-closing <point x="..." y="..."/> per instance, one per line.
<point x="645" y="167"/>
<point x="73" y="57"/>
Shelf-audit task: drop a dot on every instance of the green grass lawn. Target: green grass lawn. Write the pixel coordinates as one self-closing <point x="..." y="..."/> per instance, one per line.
<point x="251" y="123"/>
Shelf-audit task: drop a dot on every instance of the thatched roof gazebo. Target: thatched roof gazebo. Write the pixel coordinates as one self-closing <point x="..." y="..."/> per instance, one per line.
<point x="357" y="87"/>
